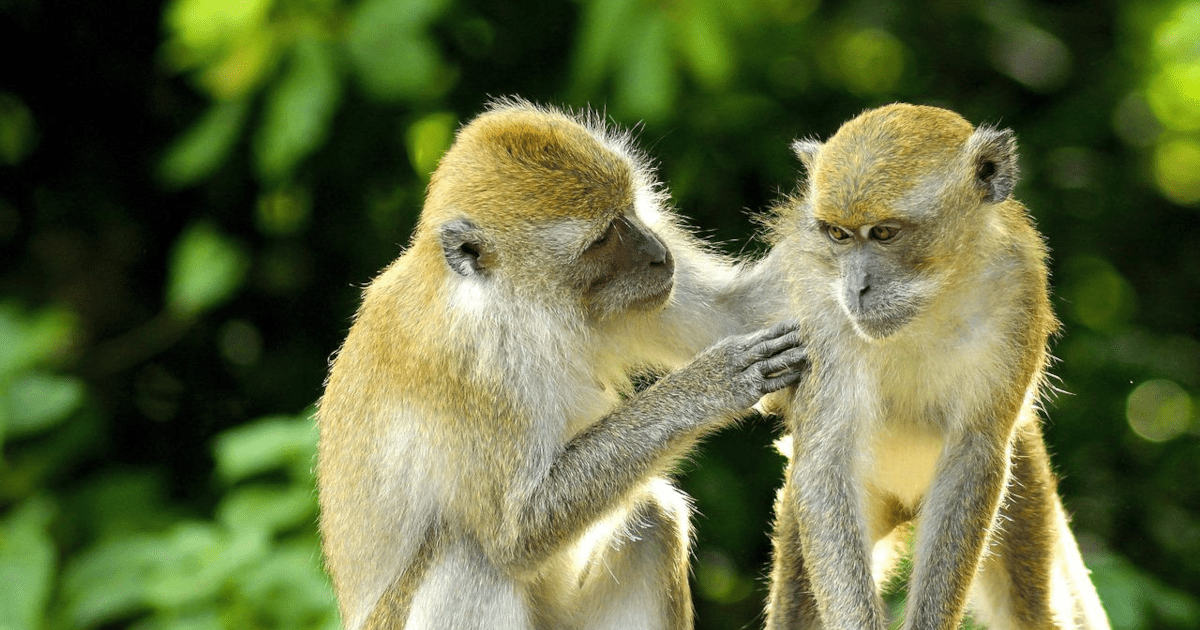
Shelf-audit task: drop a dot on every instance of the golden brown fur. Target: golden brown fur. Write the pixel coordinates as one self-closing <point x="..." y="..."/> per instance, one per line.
<point x="483" y="462"/>
<point x="921" y="290"/>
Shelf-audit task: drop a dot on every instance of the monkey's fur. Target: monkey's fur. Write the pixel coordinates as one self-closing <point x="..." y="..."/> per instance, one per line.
<point x="921" y="291"/>
<point x="483" y="461"/>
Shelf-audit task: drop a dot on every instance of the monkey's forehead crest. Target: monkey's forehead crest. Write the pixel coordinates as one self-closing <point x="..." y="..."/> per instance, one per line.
<point x="878" y="157"/>
<point x="524" y="165"/>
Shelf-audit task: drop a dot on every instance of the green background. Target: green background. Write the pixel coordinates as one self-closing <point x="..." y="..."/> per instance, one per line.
<point x="192" y="193"/>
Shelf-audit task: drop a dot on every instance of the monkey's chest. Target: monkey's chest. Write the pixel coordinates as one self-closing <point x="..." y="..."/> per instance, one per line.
<point x="902" y="462"/>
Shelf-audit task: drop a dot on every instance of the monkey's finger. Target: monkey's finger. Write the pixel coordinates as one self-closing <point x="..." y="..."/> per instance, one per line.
<point x="772" y="346"/>
<point x="785" y="379"/>
<point x="772" y="332"/>
<point x="782" y="328"/>
<point x="788" y="360"/>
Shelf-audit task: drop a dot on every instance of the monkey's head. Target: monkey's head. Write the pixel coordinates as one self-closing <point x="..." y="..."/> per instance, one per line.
<point x="895" y="200"/>
<point x="535" y="204"/>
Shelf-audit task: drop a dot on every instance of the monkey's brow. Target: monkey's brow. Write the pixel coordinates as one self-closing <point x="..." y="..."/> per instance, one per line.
<point x="567" y="233"/>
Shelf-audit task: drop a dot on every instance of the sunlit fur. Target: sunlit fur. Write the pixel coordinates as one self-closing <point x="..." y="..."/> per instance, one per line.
<point x="931" y="418"/>
<point x="476" y="466"/>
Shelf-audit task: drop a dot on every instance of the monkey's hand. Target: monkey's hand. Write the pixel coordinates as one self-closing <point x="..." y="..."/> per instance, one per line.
<point x="741" y="369"/>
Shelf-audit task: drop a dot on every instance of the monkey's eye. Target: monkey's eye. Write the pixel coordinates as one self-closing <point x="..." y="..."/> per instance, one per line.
<point x="604" y="237"/>
<point x="884" y="233"/>
<point x="837" y="234"/>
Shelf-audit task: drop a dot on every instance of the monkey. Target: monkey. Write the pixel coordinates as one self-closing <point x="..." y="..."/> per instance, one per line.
<point x="921" y="287"/>
<point x="483" y="461"/>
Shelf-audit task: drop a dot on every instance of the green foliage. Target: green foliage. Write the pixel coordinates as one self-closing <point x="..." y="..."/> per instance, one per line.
<point x="1133" y="598"/>
<point x="299" y="109"/>
<point x="427" y="139"/>
<point x="291" y="140"/>
<point x="206" y="268"/>
<point x="252" y="565"/>
<point x="37" y="400"/>
<point x="27" y="559"/>
<point x="392" y="52"/>
<point x="31" y="398"/>
<point x="197" y="154"/>
<point x="18" y="137"/>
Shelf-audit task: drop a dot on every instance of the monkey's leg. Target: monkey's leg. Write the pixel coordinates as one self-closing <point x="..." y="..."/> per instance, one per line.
<point x="462" y="590"/>
<point x="1035" y="577"/>
<point x="791" y="603"/>
<point x="637" y="578"/>
<point x="955" y="519"/>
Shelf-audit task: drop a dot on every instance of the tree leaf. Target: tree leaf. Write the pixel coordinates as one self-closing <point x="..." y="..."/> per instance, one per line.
<point x="29" y="339"/>
<point x="26" y="565"/>
<point x="268" y="444"/>
<point x="646" y="87"/>
<point x="38" y="401"/>
<point x="199" y="152"/>
<point x="392" y="52"/>
<point x="206" y="268"/>
<point x="427" y="139"/>
<point x="298" y="110"/>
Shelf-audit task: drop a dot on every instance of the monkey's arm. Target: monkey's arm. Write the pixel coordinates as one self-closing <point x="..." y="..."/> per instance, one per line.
<point x="600" y="466"/>
<point x="955" y="520"/>
<point x="834" y="542"/>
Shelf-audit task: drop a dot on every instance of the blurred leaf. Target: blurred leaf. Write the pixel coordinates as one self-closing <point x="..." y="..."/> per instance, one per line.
<point x="718" y="578"/>
<point x="298" y="110"/>
<point x="192" y="562"/>
<point x="26" y="565"/>
<point x="30" y="338"/>
<point x="603" y="24"/>
<point x="295" y="585"/>
<point x="246" y="64"/>
<point x="203" y="619"/>
<point x="392" y="52"/>
<point x="1173" y="91"/>
<point x="121" y="502"/>
<point x="199" y="152"/>
<point x="705" y="45"/>
<point x="1134" y="598"/>
<point x="646" y="82"/>
<point x="267" y="508"/>
<point x="206" y="268"/>
<point x="110" y="580"/>
<point x="265" y="445"/>
<point x="427" y="139"/>
<point x="38" y="401"/>
<point x="204" y="27"/>
<point x="18" y="136"/>
<point x="199" y="561"/>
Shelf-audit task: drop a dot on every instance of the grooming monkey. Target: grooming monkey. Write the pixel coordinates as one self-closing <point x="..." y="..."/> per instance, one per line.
<point x="921" y="291"/>
<point x="483" y="461"/>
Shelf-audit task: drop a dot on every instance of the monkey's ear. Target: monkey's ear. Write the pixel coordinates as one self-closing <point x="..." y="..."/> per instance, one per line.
<point x="807" y="151"/>
<point x="464" y="247"/>
<point x="994" y="159"/>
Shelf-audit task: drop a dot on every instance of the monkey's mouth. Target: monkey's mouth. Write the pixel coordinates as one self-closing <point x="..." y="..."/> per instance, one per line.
<point x="655" y="299"/>
<point x="877" y="324"/>
<point x="614" y="297"/>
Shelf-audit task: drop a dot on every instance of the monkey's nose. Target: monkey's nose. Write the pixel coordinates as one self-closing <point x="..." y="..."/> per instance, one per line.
<point x="860" y="289"/>
<point x="656" y="252"/>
